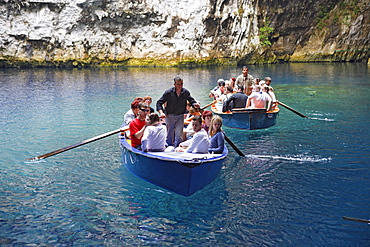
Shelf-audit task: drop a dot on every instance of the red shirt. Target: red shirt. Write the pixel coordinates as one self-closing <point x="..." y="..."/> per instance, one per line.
<point x="135" y="126"/>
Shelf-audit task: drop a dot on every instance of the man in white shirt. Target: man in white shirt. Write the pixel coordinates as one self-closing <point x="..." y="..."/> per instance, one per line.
<point x="219" y="90"/>
<point x="258" y="99"/>
<point x="199" y="143"/>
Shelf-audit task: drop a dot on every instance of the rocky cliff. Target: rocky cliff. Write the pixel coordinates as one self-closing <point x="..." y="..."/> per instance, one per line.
<point x="173" y="32"/>
<point x="310" y="30"/>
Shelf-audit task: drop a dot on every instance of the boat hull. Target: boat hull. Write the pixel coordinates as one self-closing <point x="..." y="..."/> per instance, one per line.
<point x="178" y="172"/>
<point x="250" y="119"/>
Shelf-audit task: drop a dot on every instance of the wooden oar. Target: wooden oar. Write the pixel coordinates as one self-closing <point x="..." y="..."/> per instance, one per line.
<point x="78" y="144"/>
<point x="233" y="145"/>
<point x="355" y="219"/>
<point x="204" y="107"/>
<point x="291" y="109"/>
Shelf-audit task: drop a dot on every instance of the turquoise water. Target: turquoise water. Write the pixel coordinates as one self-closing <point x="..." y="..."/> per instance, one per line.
<point x="299" y="177"/>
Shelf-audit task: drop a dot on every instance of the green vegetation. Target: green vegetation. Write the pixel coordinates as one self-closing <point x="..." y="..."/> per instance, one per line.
<point x="264" y="33"/>
<point x="346" y="10"/>
<point x="240" y="11"/>
<point x="129" y="62"/>
<point x="322" y="16"/>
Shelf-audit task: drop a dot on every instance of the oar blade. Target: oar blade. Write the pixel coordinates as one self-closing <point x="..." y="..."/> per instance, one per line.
<point x="34" y="159"/>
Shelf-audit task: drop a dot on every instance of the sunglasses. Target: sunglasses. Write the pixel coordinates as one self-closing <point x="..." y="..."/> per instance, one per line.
<point x="144" y="110"/>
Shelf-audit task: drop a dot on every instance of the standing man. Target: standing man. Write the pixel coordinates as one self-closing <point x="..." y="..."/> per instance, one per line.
<point x="176" y="100"/>
<point x="245" y="80"/>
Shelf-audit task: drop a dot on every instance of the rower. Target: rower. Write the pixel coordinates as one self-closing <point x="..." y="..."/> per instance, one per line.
<point x="238" y="99"/>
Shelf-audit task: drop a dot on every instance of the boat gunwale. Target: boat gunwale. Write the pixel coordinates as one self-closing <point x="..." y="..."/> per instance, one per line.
<point x="244" y="111"/>
<point x="233" y="119"/>
<point x="196" y="160"/>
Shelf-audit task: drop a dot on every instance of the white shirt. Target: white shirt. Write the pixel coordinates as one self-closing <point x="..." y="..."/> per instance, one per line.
<point x="258" y="99"/>
<point x="217" y="93"/>
<point x="273" y="97"/>
<point x="154" y="137"/>
<point x="198" y="144"/>
<point x="224" y="97"/>
<point x="129" y="116"/>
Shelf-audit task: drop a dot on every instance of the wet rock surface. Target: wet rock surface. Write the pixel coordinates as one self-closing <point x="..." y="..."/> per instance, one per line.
<point x="170" y="32"/>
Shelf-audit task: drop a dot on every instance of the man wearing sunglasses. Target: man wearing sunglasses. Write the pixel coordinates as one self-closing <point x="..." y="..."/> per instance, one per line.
<point x="176" y="99"/>
<point x="137" y="126"/>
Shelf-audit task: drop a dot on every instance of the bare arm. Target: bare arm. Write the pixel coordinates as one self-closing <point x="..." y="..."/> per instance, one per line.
<point x="140" y="133"/>
<point x="248" y="102"/>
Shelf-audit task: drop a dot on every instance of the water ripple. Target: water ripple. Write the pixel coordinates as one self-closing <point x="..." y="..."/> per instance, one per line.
<point x="300" y="158"/>
<point x="297" y="181"/>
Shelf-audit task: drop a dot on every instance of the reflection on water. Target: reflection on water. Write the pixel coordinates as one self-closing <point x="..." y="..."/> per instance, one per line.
<point x="297" y="181"/>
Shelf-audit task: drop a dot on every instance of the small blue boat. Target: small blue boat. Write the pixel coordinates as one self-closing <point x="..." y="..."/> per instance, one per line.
<point x="182" y="173"/>
<point x="249" y="119"/>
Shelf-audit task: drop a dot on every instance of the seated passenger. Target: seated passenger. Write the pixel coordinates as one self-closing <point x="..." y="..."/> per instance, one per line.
<point x="256" y="81"/>
<point x="137" y="126"/>
<point x="217" y="139"/>
<point x="155" y="134"/>
<point x="192" y="113"/>
<point x="148" y="100"/>
<point x="188" y="131"/>
<point x="130" y="115"/>
<point x="219" y="90"/>
<point x="270" y="92"/>
<point x="232" y="82"/>
<point x="229" y="91"/>
<point x="139" y="99"/>
<point x="268" y="80"/>
<point x="273" y="96"/>
<point x="207" y="117"/>
<point x="238" y="99"/>
<point x="199" y="143"/>
<point x="227" y="83"/>
<point x="187" y="113"/>
<point x="258" y="99"/>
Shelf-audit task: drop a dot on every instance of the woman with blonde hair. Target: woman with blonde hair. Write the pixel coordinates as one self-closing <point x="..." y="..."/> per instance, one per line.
<point x="216" y="136"/>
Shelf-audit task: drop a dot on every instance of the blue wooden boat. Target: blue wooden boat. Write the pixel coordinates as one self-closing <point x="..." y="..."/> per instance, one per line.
<point x="250" y="119"/>
<point x="182" y="173"/>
